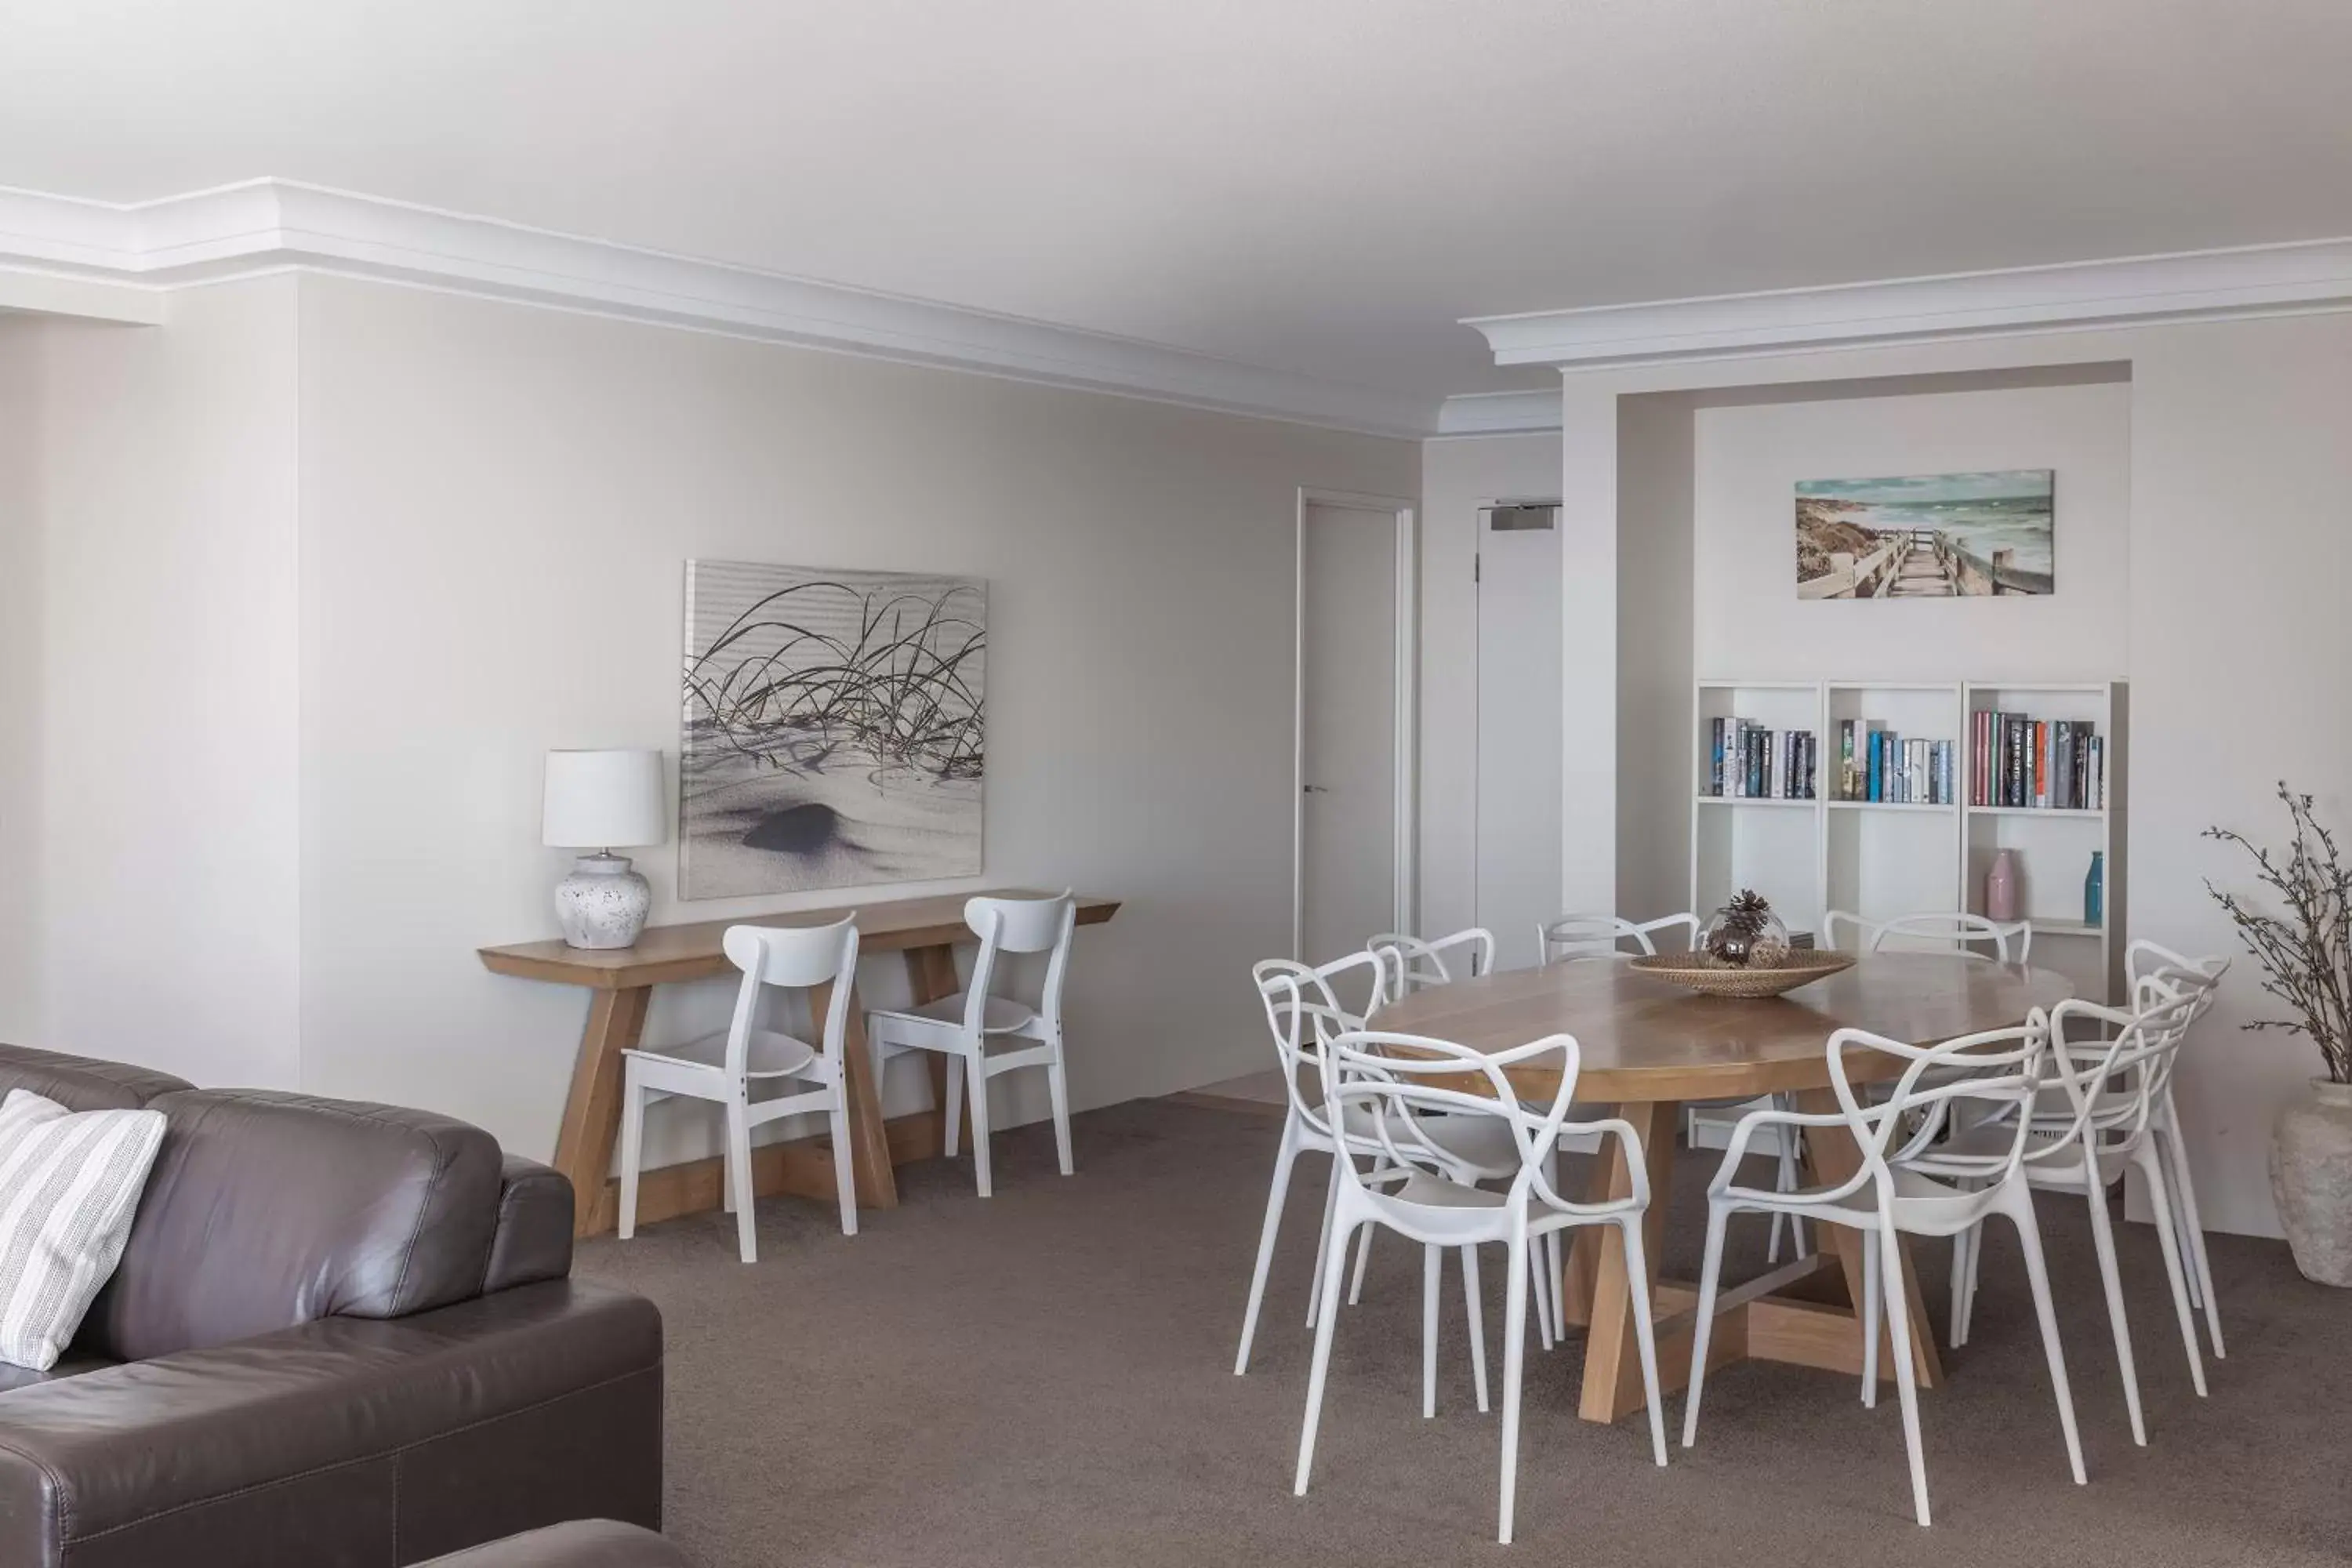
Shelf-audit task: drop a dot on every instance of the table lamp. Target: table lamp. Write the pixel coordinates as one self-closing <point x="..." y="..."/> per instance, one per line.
<point x="596" y="800"/>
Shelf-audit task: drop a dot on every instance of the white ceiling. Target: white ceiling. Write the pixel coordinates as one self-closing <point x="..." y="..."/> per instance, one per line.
<point x="1322" y="186"/>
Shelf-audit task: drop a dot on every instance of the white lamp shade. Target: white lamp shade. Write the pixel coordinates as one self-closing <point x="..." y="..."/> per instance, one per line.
<point x="603" y="800"/>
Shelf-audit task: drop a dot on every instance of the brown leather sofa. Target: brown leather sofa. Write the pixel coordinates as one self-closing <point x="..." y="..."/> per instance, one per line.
<point x="341" y="1334"/>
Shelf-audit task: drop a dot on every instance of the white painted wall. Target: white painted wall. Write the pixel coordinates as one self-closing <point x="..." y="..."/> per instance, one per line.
<point x="1655" y="545"/>
<point x="1749" y="455"/>
<point x="1458" y="476"/>
<point x="2226" y="591"/>
<point x="21" y="979"/>
<point x="159" y="549"/>
<point x="495" y="505"/>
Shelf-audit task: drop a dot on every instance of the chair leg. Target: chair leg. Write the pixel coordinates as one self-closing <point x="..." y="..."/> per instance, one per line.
<point x="1906" y="1389"/>
<point x="1956" y="1332"/>
<point x="2152" y="1173"/>
<point x="2037" y="1275"/>
<point x="1477" y="1324"/>
<point x="1710" y="1275"/>
<point x="2193" y="1227"/>
<point x="1057" y="1085"/>
<point x="1323" y="1244"/>
<point x="1871" y="1264"/>
<point x="1556" y="1281"/>
<point x="739" y="1175"/>
<point x="1326" y="1319"/>
<point x="1286" y="1156"/>
<point x="844" y="1177"/>
<point x="633" y="1151"/>
<point x="1514" y="1357"/>
<point x="976" y="1081"/>
<point x="1431" y="1265"/>
<point x="1645" y="1334"/>
<point x="1363" y="1256"/>
<point x="1540" y="1289"/>
<point x="2103" y="1242"/>
<point x="951" y="1106"/>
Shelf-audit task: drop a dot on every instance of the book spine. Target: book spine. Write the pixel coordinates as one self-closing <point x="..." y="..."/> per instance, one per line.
<point x="1871" y="774"/>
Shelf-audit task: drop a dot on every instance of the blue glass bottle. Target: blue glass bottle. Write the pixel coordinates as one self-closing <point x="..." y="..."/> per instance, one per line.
<point x="2094" y="889"/>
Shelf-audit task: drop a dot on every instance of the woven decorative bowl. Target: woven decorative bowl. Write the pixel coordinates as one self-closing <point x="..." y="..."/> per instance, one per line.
<point x="1801" y="967"/>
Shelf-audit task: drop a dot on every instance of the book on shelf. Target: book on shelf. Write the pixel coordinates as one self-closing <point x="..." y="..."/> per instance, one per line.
<point x="2019" y="761"/>
<point x="1880" y="766"/>
<point x="1749" y="762"/>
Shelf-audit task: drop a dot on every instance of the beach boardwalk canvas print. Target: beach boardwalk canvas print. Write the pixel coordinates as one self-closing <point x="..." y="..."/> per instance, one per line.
<point x="833" y="728"/>
<point x="1932" y="536"/>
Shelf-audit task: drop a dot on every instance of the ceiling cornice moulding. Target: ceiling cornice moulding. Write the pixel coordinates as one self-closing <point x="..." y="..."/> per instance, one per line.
<point x="264" y="225"/>
<point x="1499" y="413"/>
<point x="2144" y="290"/>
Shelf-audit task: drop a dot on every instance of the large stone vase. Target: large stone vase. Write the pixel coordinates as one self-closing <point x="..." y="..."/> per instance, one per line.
<point x="2311" y="1177"/>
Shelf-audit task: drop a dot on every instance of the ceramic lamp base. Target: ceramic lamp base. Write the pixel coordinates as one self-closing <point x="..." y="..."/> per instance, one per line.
<point x="603" y="903"/>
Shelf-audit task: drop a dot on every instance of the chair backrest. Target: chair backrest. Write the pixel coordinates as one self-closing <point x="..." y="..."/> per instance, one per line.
<point x="1394" y="1080"/>
<point x="1019" y="925"/>
<point x="2114" y="1081"/>
<point x="1999" y="1067"/>
<point x="1304" y="1011"/>
<point x="1933" y="932"/>
<point x="2144" y="959"/>
<point x="1414" y="964"/>
<point x="796" y="958"/>
<point x="1603" y="936"/>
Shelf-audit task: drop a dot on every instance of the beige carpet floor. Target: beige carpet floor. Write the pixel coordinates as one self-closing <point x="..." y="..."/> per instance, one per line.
<point x="1046" y="1378"/>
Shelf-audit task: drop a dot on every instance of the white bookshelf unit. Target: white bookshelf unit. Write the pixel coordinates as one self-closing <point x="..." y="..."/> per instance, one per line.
<point x="1879" y="859"/>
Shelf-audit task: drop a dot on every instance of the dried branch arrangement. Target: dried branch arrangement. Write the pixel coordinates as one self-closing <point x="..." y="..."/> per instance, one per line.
<point x="2306" y="951"/>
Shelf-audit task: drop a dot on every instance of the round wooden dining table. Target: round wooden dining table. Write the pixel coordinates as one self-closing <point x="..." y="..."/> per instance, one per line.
<point x="1649" y="1047"/>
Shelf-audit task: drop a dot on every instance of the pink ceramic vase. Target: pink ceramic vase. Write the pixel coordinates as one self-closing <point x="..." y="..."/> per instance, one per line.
<point x="2003" y="887"/>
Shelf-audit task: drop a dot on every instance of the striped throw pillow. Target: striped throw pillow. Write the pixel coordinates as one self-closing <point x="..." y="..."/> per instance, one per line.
<point x="70" y="1184"/>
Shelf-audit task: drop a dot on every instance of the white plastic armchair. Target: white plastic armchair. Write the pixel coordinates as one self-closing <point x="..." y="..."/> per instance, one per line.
<point x="2201" y="977"/>
<point x="1886" y="1198"/>
<point x="2011" y="942"/>
<point x="1605" y="936"/>
<point x="1406" y="1085"/>
<point x="1413" y="964"/>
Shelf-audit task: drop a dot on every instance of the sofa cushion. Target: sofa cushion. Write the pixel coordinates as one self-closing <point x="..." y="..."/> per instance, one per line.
<point x="70" y="1182"/>
<point x="71" y="1365"/>
<point x="266" y="1210"/>
<point x="82" y="1083"/>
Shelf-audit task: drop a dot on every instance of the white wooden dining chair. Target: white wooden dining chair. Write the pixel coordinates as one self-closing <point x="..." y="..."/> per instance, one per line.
<point x="1402" y="1086"/>
<point x="1415" y="965"/>
<point x="723" y="1068"/>
<point x="1886" y="1198"/>
<point x="2202" y="978"/>
<point x="2011" y="942"/>
<point x="964" y="1026"/>
<point x="1304" y="1012"/>
<point x="2114" y="1065"/>
<point x="1606" y="936"/>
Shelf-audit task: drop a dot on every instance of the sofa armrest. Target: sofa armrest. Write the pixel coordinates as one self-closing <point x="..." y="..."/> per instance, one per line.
<point x="584" y="1543"/>
<point x="434" y="1431"/>
<point x="533" y="1239"/>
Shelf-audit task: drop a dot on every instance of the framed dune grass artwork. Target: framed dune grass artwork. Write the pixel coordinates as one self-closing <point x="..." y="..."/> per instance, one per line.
<point x="835" y="728"/>
<point x="1929" y="536"/>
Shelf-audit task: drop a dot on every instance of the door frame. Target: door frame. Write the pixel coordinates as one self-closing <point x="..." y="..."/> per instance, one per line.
<point x="1405" y="679"/>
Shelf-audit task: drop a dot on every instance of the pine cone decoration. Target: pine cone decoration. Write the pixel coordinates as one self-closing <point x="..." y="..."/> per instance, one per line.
<point x="1736" y="933"/>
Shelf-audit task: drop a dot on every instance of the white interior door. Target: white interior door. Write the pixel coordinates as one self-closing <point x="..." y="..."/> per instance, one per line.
<point x="1520" y="736"/>
<point x="1348" y="729"/>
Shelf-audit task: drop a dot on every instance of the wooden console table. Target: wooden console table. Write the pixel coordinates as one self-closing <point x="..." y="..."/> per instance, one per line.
<point x="620" y="982"/>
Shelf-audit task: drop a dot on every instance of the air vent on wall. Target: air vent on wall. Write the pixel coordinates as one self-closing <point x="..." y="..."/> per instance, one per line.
<point x="1514" y="516"/>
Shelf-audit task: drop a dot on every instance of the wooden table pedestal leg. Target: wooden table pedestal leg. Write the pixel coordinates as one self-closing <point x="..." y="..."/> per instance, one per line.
<point x="1613" y="1357"/>
<point x="869" y="1145"/>
<point x="1831" y="1157"/>
<point x="591" y="1111"/>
